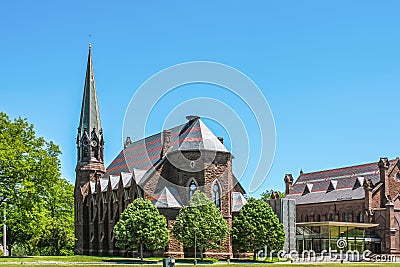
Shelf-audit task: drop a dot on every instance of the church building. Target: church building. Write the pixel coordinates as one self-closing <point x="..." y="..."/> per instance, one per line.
<point x="165" y="168"/>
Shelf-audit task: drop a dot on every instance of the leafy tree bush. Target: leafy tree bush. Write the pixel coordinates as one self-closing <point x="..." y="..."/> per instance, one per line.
<point x="35" y="196"/>
<point x="257" y="226"/>
<point x="202" y="218"/>
<point x="141" y="225"/>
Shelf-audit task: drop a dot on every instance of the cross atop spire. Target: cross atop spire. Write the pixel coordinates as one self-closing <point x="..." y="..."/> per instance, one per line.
<point x="90" y="114"/>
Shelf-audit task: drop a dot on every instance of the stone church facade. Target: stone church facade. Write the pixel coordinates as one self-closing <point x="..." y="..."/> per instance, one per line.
<point x="362" y="194"/>
<point x="165" y="168"/>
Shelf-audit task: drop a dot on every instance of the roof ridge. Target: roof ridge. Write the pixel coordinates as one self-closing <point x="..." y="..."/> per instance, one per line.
<point x="342" y="168"/>
<point x="342" y="177"/>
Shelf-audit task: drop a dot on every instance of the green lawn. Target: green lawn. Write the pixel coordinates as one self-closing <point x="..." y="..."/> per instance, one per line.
<point x="219" y="265"/>
<point x="102" y="261"/>
<point x="61" y="259"/>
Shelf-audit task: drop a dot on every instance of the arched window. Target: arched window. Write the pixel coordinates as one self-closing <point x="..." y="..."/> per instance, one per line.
<point x="344" y="217"/>
<point x="318" y="218"/>
<point x="331" y="217"/>
<point x="217" y="194"/>
<point x="192" y="188"/>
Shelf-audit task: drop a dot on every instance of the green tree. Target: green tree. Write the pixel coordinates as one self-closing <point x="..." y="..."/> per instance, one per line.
<point x="203" y="219"/>
<point x="29" y="172"/>
<point x="27" y="162"/>
<point x="57" y="237"/>
<point x="141" y="225"/>
<point x="266" y="195"/>
<point x="257" y="226"/>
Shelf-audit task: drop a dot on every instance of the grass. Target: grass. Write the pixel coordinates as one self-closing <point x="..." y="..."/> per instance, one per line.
<point x="61" y="259"/>
<point x="219" y="265"/>
<point x="98" y="261"/>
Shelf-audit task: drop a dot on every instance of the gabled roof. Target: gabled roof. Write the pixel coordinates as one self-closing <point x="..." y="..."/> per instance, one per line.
<point x="332" y="185"/>
<point x="139" y="174"/>
<point x="359" y="182"/>
<point x="146" y="153"/>
<point x="126" y="179"/>
<point x="341" y="180"/>
<point x="114" y="180"/>
<point x="168" y="197"/>
<point x="92" y="187"/>
<point x="238" y="201"/>
<point x="103" y="184"/>
<point x="308" y="188"/>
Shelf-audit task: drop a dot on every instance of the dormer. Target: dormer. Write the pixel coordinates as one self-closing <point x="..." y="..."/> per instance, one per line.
<point x="114" y="181"/>
<point x="359" y="182"/>
<point x="308" y="188"/>
<point x="332" y="185"/>
<point x="126" y="183"/>
<point x="93" y="191"/>
<point x="103" y="188"/>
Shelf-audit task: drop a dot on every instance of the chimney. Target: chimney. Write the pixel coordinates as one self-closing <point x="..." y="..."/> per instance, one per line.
<point x="368" y="186"/>
<point x="274" y="195"/>
<point x="166" y="141"/>
<point x="289" y="183"/>
<point x="221" y="139"/>
<point x="383" y="165"/>
<point x="128" y="141"/>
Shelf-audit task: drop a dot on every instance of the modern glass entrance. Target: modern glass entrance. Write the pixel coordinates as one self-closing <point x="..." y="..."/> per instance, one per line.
<point x="331" y="236"/>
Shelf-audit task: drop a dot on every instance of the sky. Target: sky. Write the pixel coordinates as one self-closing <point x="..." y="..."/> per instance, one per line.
<point x="330" y="71"/>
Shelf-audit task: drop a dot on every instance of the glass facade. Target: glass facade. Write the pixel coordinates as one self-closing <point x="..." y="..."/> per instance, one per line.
<point x="329" y="236"/>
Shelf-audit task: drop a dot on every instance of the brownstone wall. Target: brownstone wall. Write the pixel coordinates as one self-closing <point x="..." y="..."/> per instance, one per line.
<point x="212" y="167"/>
<point x="95" y="218"/>
<point x="322" y="211"/>
<point x="394" y="181"/>
<point x="84" y="172"/>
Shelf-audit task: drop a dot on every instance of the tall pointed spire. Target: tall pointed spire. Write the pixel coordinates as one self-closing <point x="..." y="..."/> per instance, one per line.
<point x="90" y="114"/>
<point x="90" y="135"/>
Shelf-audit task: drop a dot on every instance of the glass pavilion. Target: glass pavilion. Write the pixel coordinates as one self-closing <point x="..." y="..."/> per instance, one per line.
<point x="329" y="236"/>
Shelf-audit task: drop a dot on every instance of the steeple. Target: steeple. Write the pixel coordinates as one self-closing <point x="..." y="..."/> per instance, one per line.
<point x="90" y="115"/>
<point x="90" y="141"/>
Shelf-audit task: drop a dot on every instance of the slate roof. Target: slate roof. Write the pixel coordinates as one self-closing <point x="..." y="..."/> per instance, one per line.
<point x="146" y="153"/>
<point x="168" y="197"/>
<point x="346" y="184"/>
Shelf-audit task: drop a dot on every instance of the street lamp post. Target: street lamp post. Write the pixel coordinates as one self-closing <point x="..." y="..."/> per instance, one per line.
<point x="4" y="233"/>
<point x="195" y="246"/>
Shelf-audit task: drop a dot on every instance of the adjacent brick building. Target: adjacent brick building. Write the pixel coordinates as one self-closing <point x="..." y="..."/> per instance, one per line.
<point x="365" y="194"/>
<point x="166" y="168"/>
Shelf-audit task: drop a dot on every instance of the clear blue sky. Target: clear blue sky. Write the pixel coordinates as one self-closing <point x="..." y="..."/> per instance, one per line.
<point x="330" y="70"/>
